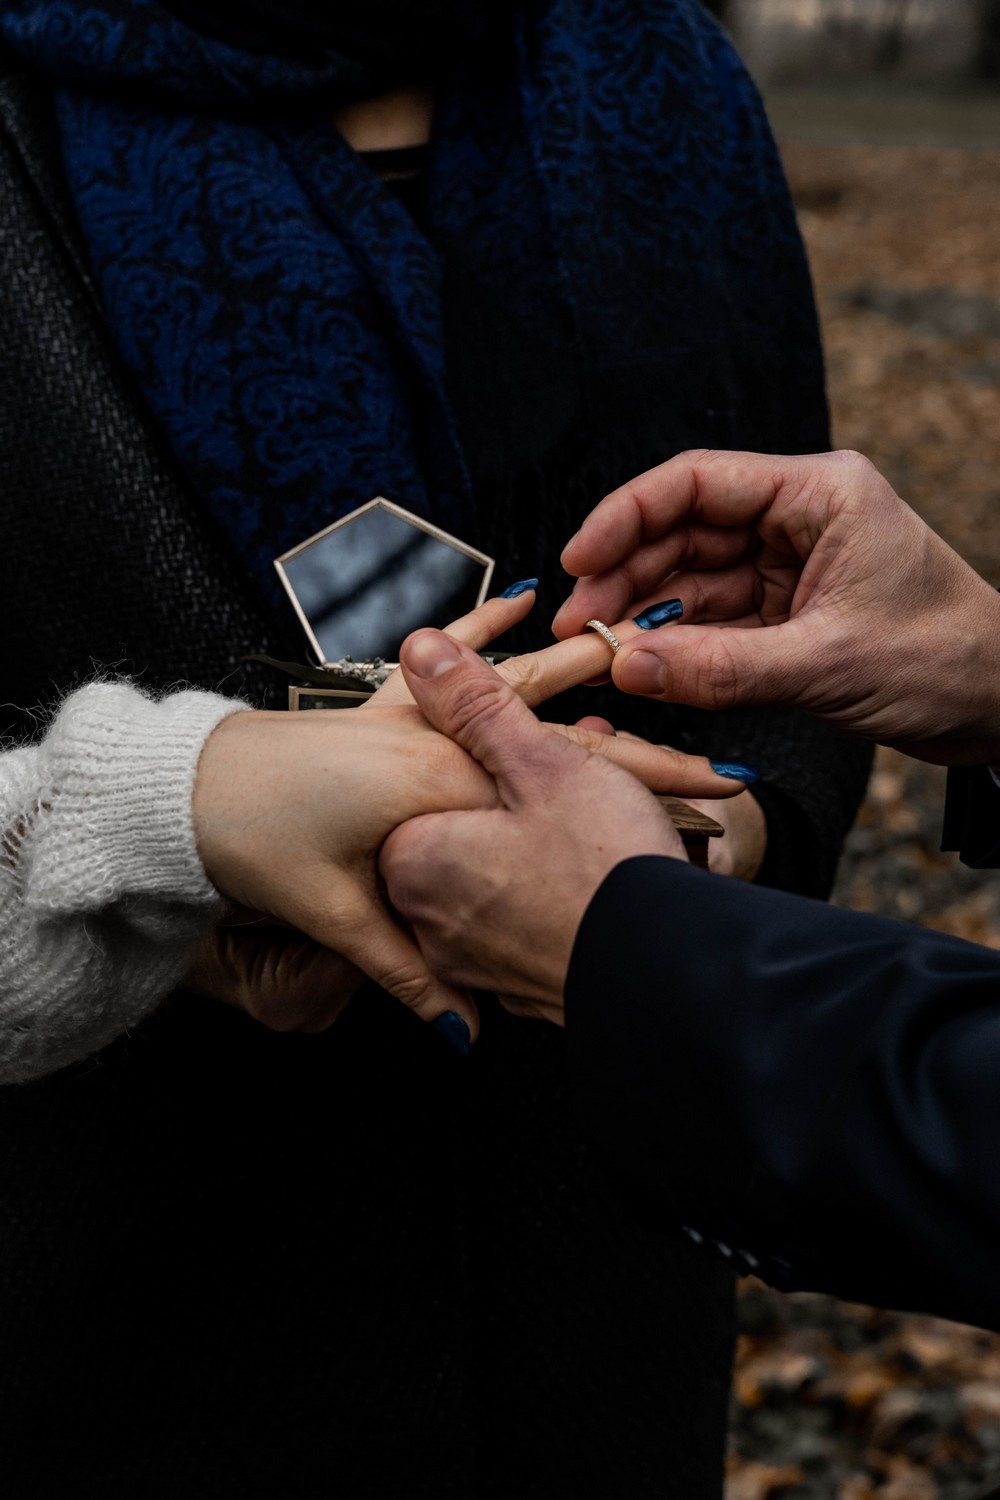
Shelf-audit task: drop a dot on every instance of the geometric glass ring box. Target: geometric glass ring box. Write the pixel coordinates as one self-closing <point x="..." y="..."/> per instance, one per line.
<point x="361" y="585"/>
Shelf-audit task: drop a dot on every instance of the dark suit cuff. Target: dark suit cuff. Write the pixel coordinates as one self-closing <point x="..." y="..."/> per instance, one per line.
<point x="972" y="817"/>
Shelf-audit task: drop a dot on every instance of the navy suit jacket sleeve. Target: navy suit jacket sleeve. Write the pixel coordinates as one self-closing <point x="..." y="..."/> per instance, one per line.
<point x="814" y="1092"/>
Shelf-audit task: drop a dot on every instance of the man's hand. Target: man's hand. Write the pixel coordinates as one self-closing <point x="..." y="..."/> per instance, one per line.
<point x="495" y="895"/>
<point x="879" y="626"/>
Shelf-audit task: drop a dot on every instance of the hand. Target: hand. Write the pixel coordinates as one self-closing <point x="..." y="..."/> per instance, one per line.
<point x="540" y="675"/>
<point x="495" y="895"/>
<point x="282" y="979"/>
<point x="878" y="625"/>
<point x="290" y="812"/>
<point x="740" y="852"/>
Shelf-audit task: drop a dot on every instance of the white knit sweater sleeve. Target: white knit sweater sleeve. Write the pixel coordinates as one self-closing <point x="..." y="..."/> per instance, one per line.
<point x="102" y="894"/>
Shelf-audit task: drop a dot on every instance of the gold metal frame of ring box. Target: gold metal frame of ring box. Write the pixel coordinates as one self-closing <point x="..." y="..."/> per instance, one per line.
<point x="301" y="698"/>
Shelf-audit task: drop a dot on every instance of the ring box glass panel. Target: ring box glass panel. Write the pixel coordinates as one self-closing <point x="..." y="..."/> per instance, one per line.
<point x="360" y="586"/>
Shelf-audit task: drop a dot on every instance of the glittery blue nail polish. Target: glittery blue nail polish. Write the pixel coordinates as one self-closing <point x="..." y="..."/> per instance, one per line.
<point x="735" y="771"/>
<point x="454" y="1030"/>
<point x="659" y="614"/>
<point x="516" y="589"/>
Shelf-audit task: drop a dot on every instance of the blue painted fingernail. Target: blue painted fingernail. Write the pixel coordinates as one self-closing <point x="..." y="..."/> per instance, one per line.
<point x="454" y="1030"/>
<point x="659" y="614"/>
<point x="735" y="771"/>
<point x="516" y="589"/>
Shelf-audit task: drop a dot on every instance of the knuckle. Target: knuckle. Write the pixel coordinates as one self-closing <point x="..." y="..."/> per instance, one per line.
<point x="853" y="481"/>
<point x="277" y="1016"/>
<point x="855" y="474"/>
<point x="630" y="574"/>
<point x="401" y="862"/>
<point x="478" y="699"/>
<point x="408" y="982"/>
<point x="708" y="458"/>
<point x="523" y="673"/>
<point x="588" y="739"/>
<point x="719" y="678"/>
<point x="850" y="458"/>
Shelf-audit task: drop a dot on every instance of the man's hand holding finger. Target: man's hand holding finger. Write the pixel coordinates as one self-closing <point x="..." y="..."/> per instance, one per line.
<point x="495" y="896"/>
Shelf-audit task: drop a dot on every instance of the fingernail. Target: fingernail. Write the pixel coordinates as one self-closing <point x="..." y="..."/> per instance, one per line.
<point x="454" y="1030"/>
<point x="517" y="589"/>
<point x="735" y="771"/>
<point x="659" y="614"/>
<point x="430" y="654"/>
<point x="642" y="673"/>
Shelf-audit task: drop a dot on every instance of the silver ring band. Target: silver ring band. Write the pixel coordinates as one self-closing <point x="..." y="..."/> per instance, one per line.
<point x="607" y="633"/>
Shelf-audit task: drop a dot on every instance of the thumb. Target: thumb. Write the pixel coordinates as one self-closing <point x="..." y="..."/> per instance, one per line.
<point x="712" y="666"/>
<point x="462" y="697"/>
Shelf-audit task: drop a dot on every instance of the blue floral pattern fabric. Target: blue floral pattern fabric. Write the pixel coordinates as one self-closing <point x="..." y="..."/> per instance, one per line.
<point x="609" y="267"/>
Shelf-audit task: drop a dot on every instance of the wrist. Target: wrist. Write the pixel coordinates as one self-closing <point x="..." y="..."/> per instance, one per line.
<point x="982" y="740"/>
<point x="223" y="802"/>
<point x="124" y="765"/>
<point x="944" y="675"/>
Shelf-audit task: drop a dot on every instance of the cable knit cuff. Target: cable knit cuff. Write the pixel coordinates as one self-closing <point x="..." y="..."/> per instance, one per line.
<point x="116" y="820"/>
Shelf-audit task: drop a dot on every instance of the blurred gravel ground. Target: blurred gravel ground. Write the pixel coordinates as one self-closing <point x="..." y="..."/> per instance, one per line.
<point x="833" y="1402"/>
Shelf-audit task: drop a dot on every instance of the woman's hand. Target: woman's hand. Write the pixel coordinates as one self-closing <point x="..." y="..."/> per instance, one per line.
<point x="282" y="979"/>
<point x="291" y="810"/>
<point x="740" y="852"/>
<point x="878" y="626"/>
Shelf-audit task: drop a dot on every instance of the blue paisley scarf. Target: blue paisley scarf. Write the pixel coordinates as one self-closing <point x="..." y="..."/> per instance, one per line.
<point x="609" y="267"/>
